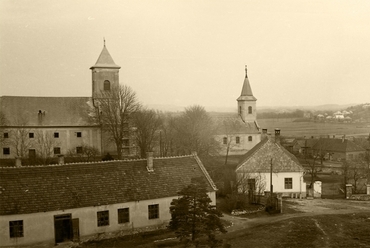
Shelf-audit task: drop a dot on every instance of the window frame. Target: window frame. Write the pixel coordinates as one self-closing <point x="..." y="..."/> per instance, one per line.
<point x="16" y="229"/>
<point x="6" y="150"/>
<point x="58" y="150"/>
<point x="79" y="134"/>
<point x="31" y="135"/>
<point x="224" y="140"/>
<point x="102" y="218"/>
<point x="106" y="85"/>
<point x="250" y="110"/>
<point x="56" y="134"/>
<point x="237" y="140"/>
<point x="288" y="183"/>
<point x="153" y="211"/>
<point x="123" y="215"/>
<point x="6" y="135"/>
<point x="250" y="138"/>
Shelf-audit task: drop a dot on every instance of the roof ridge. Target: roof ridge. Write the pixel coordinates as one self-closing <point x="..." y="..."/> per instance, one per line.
<point x="205" y="172"/>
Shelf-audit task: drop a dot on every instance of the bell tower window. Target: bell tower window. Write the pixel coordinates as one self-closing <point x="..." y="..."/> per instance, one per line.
<point x="106" y="85"/>
<point x="250" y="110"/>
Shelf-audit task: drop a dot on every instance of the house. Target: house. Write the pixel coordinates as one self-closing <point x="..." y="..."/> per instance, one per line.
<point x="303" y="146"/>
<point x="269" y="159"/>
<point x="338" y="149"/>
<point x="63" y="121"/>
<point x="239" y="133"/>
<point x="56" y="203"/>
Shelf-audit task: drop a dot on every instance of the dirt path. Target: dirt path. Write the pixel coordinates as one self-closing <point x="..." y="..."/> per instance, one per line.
<point x="302" y="208"/>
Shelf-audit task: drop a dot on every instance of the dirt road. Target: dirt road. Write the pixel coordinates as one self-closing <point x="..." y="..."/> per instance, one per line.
<point x="300" y="208"/>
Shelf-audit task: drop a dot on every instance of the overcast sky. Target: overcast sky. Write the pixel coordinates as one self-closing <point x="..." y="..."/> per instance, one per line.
<point x="191" y="52"/>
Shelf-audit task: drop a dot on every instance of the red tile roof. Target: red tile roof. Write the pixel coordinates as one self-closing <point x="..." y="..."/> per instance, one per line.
<point x="48" y="188"/>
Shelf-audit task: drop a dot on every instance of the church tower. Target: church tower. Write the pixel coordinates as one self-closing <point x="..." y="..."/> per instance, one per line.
<point x="105" y="73"/>
<point x="247" y="102"/>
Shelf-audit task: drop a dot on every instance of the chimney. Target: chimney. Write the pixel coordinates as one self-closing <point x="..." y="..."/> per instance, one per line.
<point x="277" y="135"/>
<point x="18" y="162"/>
<point x="264" y="133"/>
<point x="60" y="159"/>
<point x="149" y="161"/>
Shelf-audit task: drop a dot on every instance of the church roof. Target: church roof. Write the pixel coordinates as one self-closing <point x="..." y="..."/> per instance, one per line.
<point x="247" y="94"/>
<point x="45" y="111"/>
<point x="258" y="159"/>
<point x="57" y="187"/>
<point x="234" y="125"/>
<point x="105" y="60"/>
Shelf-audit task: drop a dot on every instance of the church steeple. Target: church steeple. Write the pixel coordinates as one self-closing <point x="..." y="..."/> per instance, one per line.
<point x="246" y="101"/>
<point x="105" y="73"/>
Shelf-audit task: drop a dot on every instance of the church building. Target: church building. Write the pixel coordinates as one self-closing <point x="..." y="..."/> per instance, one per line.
<point x="239" y="133"/>
<point x="44" y="127"/>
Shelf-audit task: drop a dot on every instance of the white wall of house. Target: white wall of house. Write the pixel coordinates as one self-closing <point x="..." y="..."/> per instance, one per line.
<point x="278" y="182"/>
<point x="237" y="148"/>
<point x="39" y="227"/>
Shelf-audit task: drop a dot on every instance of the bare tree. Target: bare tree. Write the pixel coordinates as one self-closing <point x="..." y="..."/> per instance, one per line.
<point x="228" y="127"/>
<point x="44" y="144"/>
<point x="195" y="131"/>
<point x="147" y="123"/>
<point x="88" y="153"/>
<point x="167" y="135"/>
<point x="354" y="171"/>
<point x="20" y="137"/>
<point x="113" y="110"/>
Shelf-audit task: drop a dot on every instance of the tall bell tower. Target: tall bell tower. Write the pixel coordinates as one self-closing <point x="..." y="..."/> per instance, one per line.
<point x="105" y="74"/>
<point x="247" y="102"/>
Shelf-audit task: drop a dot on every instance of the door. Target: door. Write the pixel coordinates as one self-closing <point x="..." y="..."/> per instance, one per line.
<point x="63" y="228"/>
<point x="76" y="230"/>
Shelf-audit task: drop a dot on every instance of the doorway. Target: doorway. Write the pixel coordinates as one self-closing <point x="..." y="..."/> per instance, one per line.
<point x="63" y="228"/>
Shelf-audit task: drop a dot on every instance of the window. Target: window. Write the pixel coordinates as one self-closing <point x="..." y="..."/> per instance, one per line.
<point x="237" y="140"/>
<point x="56" y="150"/>
<point x="79" y="134"/>
<point x="225" y="140"/>
<point x="16" y="228"/>
<point x="106" y="85"/>
<point x="56" y="135"/>
<point x="79" y="149"/>
<point x="31" y="135"/>
<point x="123" y="215"/>
<point x="249" y="138"/>
<point x="103" y="218"/>
<point x="6" y="150"/>
<point x="6" y="135"/>
<point x="288" y="183"/>
<point x="32" y="153"/>
<point x="153" y="211"/>
<point x="240" y="110"/>
<point x="250" y="110"/>
<point x="126" y="142"/>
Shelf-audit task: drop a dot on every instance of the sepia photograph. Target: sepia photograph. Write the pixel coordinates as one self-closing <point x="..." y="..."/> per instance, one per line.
<point x="183" y="123"/>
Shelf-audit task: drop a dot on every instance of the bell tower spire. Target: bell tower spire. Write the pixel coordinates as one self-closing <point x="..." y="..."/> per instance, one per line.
<point x="105" y="73"/>
<point x="246" y="101"/>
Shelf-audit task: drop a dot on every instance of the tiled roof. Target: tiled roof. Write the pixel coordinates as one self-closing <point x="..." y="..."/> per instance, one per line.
<point x="48" y="188"/>
<point x="105" y="60"/>
<point x="306" y="142"/>
<point x="234" y="125"/>
<point x="337" y="145"/>
<point x="258" y="159"/>
<point x="55" y="111"/>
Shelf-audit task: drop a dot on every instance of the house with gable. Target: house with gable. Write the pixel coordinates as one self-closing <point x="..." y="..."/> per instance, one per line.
<point x="46" y="205"/>
<point x="239" y="133"/>
<point x="269" y="159"/>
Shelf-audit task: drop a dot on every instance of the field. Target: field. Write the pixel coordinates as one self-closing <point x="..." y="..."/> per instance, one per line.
<point x="299" y="129"/>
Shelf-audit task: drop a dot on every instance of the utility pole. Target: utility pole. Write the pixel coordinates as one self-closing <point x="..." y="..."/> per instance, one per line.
<point x="271" y="186"/>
